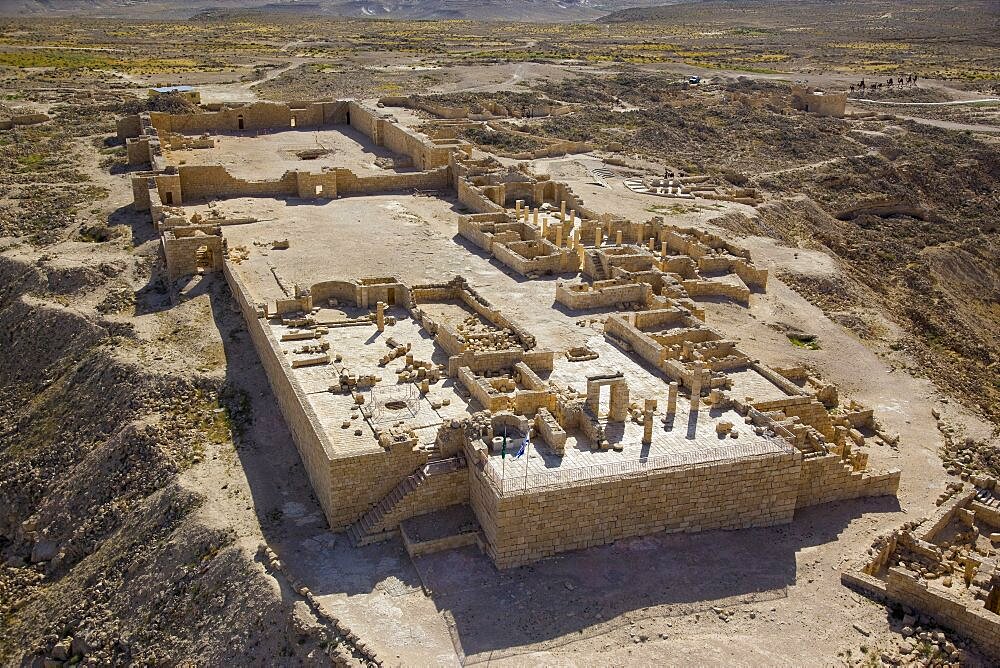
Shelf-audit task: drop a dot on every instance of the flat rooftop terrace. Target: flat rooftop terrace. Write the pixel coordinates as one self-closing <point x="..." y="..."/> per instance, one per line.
<point x="689" y="439"/>
<point x="414" y="239"/>
<point x="258" y="155"/>
<point x="360" y="347"/>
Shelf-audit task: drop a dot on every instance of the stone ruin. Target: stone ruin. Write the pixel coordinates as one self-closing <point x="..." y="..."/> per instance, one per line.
<point x="410" y="399"/>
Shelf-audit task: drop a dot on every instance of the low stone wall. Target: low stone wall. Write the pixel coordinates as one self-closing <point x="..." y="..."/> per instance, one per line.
<point x="601" y="295"/>
<point x="200" y="182"/>
<point x="974" y="622"/>
<point x="522" y="528"/>
<point x="827" y="478"/>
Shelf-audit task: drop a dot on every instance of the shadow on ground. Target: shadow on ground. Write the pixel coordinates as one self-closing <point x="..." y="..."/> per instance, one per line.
<point x="493" y="611"/>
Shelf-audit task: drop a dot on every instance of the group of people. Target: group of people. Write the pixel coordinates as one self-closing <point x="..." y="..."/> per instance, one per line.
<point x="910" y="80"/>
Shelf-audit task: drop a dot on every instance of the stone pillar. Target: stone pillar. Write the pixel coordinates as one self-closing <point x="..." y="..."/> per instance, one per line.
<point x="535" y="219"/>
<point x="651" y="240"/>
<point x="618" y="409"/>
<point x="598" y="237"/>
<point x="618" y="238"/>
<point x="545" y="227"/>
<point x="380" y="316"/>
<point x="580" y="253"/>
<point x="594" y="398"/>
<point x="647" y="421"/>
<point x="517" y="207"/>
<point x="663" y="250"/>
<point x="672" y="399"/>
<point x="562" y="211"/>
<point x="696" y="385"/>
<point x="572" y="216"/>
<point x="559" y="236"/>
<point x="425" y="386"/>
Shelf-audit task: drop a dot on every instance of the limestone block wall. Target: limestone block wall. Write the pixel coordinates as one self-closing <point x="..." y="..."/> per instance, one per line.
<point x="539" y="257"/>
<point x="302" y="422"/>
<point x="521" y="528"/>
<point x="342" y="291"/>
<point x="256" y="116"/>
<point x="128" y="126"/>
<point x="827" y="478"/>
<point x="473" y="199"/>
<point x="436" y="492"/>
<point x="364" y="121"/>
<point x="479" y="388"/>
<point x="358" y="483"/>
<point x="168" y="189"/>
<point x="648" y="349"/>
<point x="348" y="183"/>
<point x="601" y="295"/>
<point x="137" y="151"/>
<point x="703" y="288"/>
<point x="141" y="187"/>
<point x="970" y="620"/>
<point x="181" y="253"/>
<point x="200" y="182"/>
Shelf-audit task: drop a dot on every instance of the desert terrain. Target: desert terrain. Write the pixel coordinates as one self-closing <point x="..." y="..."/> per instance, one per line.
<point x="154" y="508"/>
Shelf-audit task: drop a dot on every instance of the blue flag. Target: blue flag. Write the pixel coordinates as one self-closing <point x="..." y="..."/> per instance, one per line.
<point x="524" y="447"/>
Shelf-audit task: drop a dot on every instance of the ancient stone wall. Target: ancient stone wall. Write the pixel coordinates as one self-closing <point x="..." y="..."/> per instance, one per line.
<point x="601" y="294"/>
<point x="128" y="127"/>
<point x="436" y="492"/>
<point x="182" y="253"/>
<point x="252" y="117"/>
<point x="827" y="478"/>
<point x="521" y="528"/>
<point x="201" y="182"/>
<point x="969" y="620"/>
<point x="303" y="424"/>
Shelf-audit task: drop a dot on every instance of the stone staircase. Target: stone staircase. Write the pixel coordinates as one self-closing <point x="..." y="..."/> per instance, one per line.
<point x="365" y="530"/>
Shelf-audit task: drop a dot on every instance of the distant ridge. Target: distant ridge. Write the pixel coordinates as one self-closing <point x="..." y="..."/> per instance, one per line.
<point x="484" y="10"/>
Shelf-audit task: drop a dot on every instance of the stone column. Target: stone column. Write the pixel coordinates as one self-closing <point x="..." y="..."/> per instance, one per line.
<point x="647" y="421"/>
<point x="651" y="240"/>
<point x="535" y="219"/>
<point x="545" y="227"/>
<point x="517" y="207"/>
<point x="572" y="216"/>
<point x="663" y="250"/>
<point x="598" y="237"/>
<point x="594" y="398"/>
<point x="672" y="399"/>
<point x="618" y="410"/>
<point x="696" y="385"/>
<point x="559" y="236"/>
<point x="562" y="211"/>
<point x="618" y="238"/>
<point x="380" y="316"/>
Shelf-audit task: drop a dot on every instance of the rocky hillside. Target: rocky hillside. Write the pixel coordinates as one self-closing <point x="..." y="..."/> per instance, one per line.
<point x="110" y="551"/>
